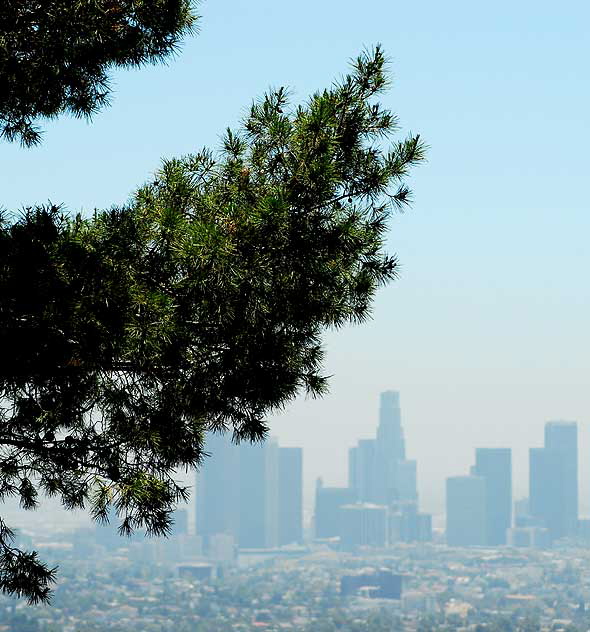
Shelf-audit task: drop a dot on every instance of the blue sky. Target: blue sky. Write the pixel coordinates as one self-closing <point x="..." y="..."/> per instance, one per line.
<point x="486" y="333"/>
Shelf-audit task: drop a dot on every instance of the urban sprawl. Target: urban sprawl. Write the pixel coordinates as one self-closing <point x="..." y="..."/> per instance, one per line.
<point x="369" y="560"/>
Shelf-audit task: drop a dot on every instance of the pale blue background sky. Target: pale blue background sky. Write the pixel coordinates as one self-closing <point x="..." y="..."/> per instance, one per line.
<point x="486" y="333"/>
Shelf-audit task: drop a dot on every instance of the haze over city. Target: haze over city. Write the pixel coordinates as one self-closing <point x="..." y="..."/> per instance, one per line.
<point x="200" y="201"/>
<point x="485" y="333"/>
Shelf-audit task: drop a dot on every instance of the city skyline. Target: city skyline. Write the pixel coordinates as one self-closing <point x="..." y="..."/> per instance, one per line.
<point x="433" y="471"/>
<point x="50" y="512"/>
<point x="380" y="503"/>
<point x="382" y="274"/>
<point x="485" y="332"/>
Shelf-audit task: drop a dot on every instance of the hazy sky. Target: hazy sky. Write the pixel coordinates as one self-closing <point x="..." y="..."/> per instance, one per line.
<point x="486" y="333"/>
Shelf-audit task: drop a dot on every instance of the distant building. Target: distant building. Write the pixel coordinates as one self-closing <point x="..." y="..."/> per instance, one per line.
<point x="258" y="495"/>
<point x="251" y="492"/>
<point x="290" y="502"/>
<point x="384" y="584"/>
<point x="466" y="511"/>
<point x="380" y="474"/>
<point x="217" y="496"/>
<point x="377" y="468"/>
<point x="561" y="437"/>
<point x="529" y="537"/>
<point x="553" y="479"/>
<point x="424" y="531"/>
<point x="362" y="470"/>
<point x="495" y="465"/>
<point x="406" y="485"/>
<point x="406" y="524"/>
<point x="362" y="524"/>
<point x="389" y="432"/>
<point x="546" y="490"/>
<point x="393" y="481"/>
<point x="328" y="501"/>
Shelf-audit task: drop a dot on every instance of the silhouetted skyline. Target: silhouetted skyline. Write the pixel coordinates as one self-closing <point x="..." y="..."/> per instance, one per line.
<point x="485" y="332"/>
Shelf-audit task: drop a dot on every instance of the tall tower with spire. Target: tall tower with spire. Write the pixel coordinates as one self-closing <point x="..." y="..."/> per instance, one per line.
<point x="379" y="473"/>
<point x="390" y="435"/>
<point x="395" y="476"/>
<point x="379" y="470"/>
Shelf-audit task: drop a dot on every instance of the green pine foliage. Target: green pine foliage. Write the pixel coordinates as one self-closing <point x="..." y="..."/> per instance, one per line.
<point x="55" y="55"/>
<point x="198" y="307"/>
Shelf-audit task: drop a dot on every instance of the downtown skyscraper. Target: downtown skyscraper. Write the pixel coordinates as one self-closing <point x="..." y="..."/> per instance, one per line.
<point x="259" y="495"/>
<point x="553" y="479"/>
<point x="495" y="466"/>
<point x="378" y="469"/>
<point x="479" y="506"/>
<point x="290" y="502"/>
<point x="217" y="497"/>
<point x="467" y="516"/>
<point x="250" y="491"/>
<point x="381" y="479"/>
